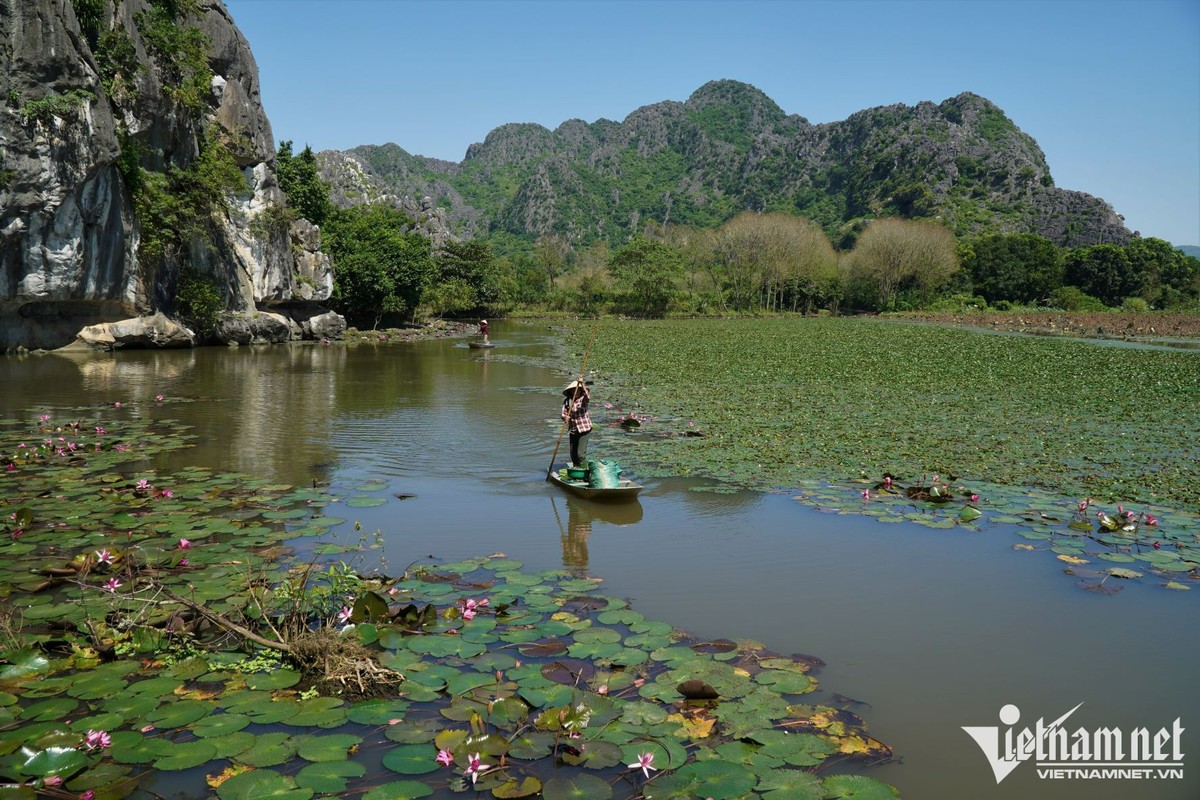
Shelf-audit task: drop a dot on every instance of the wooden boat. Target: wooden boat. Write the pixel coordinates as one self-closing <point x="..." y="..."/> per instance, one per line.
<point x="626" y="492"/>
<point x="480" y="344"/>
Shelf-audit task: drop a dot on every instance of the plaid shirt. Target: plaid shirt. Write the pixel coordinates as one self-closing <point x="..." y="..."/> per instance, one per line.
<point x="580" y="421"/>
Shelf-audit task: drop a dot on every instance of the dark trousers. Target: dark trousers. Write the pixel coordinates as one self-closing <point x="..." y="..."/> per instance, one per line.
<point x="578" y="447"/>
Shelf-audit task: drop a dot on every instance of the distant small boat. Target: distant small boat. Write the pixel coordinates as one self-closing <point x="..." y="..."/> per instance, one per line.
<point x="478" y="345"/>
<point x="626" y="492"/>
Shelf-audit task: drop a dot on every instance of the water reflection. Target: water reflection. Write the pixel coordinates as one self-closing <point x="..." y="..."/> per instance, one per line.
<point x="936" y="629"/>
<point x="580" y="516"/>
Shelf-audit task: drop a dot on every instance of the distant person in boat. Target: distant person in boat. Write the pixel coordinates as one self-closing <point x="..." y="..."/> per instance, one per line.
<point x="483" y="328"/>
<point x="575" y="411"/>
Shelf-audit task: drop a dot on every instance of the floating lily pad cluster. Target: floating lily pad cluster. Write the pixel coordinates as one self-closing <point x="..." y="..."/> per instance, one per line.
<point x="513" y="683"/>
<point x="812" y="407"/>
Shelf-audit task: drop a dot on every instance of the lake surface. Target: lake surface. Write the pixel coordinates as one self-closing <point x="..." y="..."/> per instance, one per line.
<point x="923" y="631"/>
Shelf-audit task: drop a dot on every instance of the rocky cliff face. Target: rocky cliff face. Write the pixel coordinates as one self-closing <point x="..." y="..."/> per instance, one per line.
<point x="730" y="148"/>
<point x="353" y="182"/>
<point x="101" y="101"/>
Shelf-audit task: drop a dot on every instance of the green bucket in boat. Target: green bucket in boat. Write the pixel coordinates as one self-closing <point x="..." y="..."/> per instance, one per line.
<point x="577" y="473"/>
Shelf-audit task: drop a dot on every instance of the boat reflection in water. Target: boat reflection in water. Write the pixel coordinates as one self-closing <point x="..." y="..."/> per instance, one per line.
<point x="575" y="518"/>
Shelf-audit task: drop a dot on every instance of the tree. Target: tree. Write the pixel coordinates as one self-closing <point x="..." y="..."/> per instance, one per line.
<point x="696" y="248"/>
<point x="892" y="253"/>
<point x="1022" y="267"/>
<point x="1165" y="274"/>
<point x="468" y="278"/>
<point x="807" y="264"/>
<point x="300" y="181"/>
<point x="591" y="277"/>
<point x="648" y="269"/>
<point x="774" y="261"/>
<point x="378" y="269"/>
<point x="740" y="258"/>
<point x="552" y="252"/>
<point x="1102" y="271"/>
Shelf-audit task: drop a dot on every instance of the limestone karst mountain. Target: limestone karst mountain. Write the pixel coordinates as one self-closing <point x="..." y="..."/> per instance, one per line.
<point x="730" y="148"/>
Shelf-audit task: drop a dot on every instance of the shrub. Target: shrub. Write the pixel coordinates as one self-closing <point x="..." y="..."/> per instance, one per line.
<point x="56" y="105"/>
<point x="1135" y="305"/>
<point x="1072" y="298"/>
<point x="200" y="301"/>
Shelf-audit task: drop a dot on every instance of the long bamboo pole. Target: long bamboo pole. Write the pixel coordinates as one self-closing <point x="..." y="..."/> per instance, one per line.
<point x="582" y="371"/>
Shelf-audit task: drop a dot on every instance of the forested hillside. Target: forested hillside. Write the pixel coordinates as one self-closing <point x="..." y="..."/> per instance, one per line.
<point x="729" y="148"/>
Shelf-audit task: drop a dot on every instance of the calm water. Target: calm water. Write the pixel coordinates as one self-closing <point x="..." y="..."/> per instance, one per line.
<point x="925" y="630"/>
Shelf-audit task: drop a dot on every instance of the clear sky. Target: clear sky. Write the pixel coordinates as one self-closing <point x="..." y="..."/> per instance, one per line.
<point x="1110" y="89"/>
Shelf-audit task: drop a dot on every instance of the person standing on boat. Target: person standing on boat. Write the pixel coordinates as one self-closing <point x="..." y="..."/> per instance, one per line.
<point x="575" y="411"/>
<point x="483" y="328"/>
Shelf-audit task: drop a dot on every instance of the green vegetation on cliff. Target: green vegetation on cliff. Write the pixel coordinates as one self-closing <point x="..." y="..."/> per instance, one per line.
<point x="729" y="148"/>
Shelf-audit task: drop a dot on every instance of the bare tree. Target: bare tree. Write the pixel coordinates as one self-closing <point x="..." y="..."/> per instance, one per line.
<point x="892" y="252"/>
<point x="741" y="254"/>
<point x="782" y="259"/>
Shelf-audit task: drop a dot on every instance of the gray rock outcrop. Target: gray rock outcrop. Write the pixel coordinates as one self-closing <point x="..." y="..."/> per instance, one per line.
<point x="88" y="111"/>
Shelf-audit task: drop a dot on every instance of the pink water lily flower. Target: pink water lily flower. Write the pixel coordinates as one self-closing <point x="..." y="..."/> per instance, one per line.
<point x="44" y="418"/>
<point x="184" y="544"/>
<point x="158" y="398"/>
<point x="475" y="767"/>
<point x="866" y="494"/>
<point x="95" y="739"/>
<point x="99" y="430"/>
<point x="974" y="498"/>
<point x="112" y="585"/>
<point x="645" y="763"/>
<point x="343" y="616"/>
<point x="144" y="485"/>
<point x="104" y="557"/>
<point x="445" y="757"/>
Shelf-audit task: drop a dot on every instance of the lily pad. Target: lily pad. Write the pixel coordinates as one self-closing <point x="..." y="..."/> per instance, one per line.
<point x="720" y="780"/>
<point x="262" y="784"/>
<point x="857" y="787"/>
<point x="276" y="679"/>
<point x="576" y="787"/>
<point x="377" y="712"/>
<point x="411" y="760"/>
<point x="399" y="790"/>
<point x="330" y="777"/>
<point x="512" y="789"/>
<point x="53" y="761"/>
<point x="268" y="750"/>
<point x="186" y="755"/>
<point x="329" y="747"/>
<point x="790" y="784"/>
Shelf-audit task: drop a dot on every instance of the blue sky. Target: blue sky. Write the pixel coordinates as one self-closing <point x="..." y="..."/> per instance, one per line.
<point x="1109" y="89"/>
